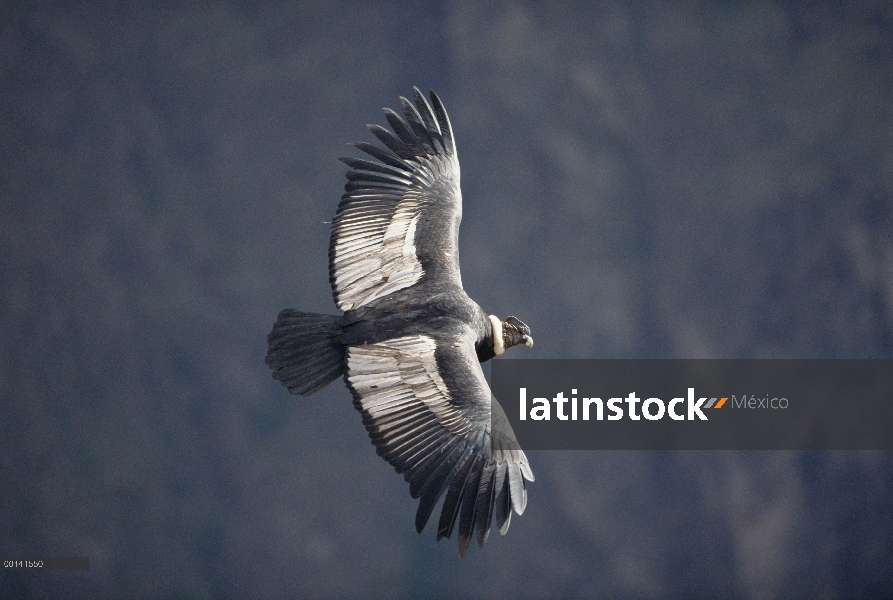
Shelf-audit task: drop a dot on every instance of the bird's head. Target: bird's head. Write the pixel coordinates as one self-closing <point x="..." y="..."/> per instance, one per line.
<point x="508" y="333"/>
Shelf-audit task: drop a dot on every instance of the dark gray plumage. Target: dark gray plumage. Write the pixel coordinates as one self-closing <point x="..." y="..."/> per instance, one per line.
<point x="410" y="341"/>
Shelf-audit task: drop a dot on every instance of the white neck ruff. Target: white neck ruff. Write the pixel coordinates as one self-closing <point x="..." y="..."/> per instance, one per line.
<point x="498" y="341"/>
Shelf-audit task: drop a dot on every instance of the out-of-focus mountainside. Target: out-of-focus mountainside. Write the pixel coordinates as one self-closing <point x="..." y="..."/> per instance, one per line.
<point x="639" y="180"/>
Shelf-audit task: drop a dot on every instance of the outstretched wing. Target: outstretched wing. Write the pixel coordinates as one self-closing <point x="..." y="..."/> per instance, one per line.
<point x="398" y="222"/>
<point x="426" y="405"/>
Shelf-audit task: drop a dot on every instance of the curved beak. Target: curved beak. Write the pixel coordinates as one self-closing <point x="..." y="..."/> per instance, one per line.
<point x="528" y="341"/>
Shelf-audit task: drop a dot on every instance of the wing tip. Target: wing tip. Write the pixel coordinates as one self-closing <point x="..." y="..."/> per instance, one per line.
<point x="443" y="120"/>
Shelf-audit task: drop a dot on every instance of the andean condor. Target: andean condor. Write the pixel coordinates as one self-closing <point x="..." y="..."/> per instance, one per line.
<point x="410" y="341"/>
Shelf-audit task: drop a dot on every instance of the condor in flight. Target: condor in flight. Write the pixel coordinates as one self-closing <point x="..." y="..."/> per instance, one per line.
<point x="410" y="341"/>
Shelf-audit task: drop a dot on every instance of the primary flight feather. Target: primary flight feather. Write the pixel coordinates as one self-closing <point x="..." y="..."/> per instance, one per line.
<point x="410" y="341"/>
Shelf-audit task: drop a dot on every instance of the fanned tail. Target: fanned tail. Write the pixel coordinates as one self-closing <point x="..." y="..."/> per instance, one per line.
<point x="303" y="353"/>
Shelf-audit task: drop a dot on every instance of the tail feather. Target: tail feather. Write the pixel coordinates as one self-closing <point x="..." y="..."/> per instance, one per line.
<point x="302" y="352"/>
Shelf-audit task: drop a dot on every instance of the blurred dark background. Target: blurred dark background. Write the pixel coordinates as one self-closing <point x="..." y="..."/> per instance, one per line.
<point x="684" y="180"/>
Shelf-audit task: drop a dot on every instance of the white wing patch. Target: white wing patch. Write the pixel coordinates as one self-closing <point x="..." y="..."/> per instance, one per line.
<point x="399" y="375"/>
<point x="373" y="249"/>
<point x="397" y="255"/>
<point x="375" y="254"/>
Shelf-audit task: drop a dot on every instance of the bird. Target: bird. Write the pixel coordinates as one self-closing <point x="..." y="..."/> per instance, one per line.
<point x="410" y="342"/>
